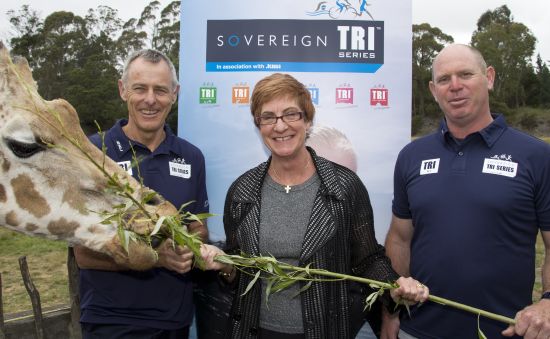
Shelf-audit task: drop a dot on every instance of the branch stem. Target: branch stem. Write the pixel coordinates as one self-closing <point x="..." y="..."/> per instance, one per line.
<point x="380" y="284"/>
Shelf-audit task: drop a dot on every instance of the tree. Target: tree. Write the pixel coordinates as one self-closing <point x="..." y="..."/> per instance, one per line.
<point x="427" y="42"/>
<point x="168" y="37"/>
<point x="149" y="19"/>
<point x="508" y="46"/>
<point x="28" y="25"/>
<point x="543" y="82"/>
<point x="73" y="58"/>
<point x="81" y="59"/>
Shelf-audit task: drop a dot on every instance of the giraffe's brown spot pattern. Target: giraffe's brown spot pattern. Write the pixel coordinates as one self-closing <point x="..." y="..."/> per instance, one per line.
<point x="75" y="200"/>
<point x="3" y="197"/>
<point x="11" y="219"/>
<point x="31" y="227"/>
<point x="62" y="227"/>
<point x="28" y="198"/>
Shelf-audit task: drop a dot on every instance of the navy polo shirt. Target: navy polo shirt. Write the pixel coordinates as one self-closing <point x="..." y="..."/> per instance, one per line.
<point x="157" y="298"/>
<point x="476" y="206"/>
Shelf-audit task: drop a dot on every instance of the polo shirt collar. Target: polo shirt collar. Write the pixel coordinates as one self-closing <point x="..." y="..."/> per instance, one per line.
<point x="122" y="142"/>
<point x="489" y="134"/>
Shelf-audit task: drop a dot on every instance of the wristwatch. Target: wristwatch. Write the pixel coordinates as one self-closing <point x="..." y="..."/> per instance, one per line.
<point x="545" y="295"/>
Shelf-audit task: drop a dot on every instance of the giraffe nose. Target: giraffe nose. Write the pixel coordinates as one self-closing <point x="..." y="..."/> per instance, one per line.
<point x="157" y="239"/>
<point x="155" y="200"/>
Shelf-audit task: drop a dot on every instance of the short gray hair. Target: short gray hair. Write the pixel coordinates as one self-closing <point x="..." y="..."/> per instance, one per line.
<point x="152" y="56"/>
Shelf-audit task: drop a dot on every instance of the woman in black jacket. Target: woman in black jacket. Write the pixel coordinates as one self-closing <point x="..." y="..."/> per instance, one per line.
<point x="303" y="210"/>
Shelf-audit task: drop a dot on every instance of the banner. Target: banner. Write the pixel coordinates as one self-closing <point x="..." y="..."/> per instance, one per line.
<point x="353" y="56"/>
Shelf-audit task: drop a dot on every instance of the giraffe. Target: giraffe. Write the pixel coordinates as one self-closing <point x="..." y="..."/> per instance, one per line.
<point x="47" y="186"/>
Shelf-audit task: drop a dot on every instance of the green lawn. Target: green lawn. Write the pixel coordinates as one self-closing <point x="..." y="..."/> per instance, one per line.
<point x="47" y="261"/>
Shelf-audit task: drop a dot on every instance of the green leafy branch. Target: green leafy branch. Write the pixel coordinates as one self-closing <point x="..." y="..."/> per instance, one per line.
<point x="280" y="275"/>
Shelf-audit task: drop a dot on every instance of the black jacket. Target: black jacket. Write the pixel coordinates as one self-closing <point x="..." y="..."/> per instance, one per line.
<point x="339" y="238"/>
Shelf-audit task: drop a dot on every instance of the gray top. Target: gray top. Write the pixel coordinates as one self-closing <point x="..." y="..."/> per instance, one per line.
<point x="283" y="221"/>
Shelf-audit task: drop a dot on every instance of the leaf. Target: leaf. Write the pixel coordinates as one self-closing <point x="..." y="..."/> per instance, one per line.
<point x="122" y="238"/>
<point x="270" y="283"/>
<point x="251" y="283"/>
<point x="303" y="289"/>
<point x="202" y="216"/>
<point x="158" y="225"/>
<point x="225" y="259"/>
<point x="186" y="204"/>
<point x="307" y="269"/>
<point x="126" y="241"/>
<point x="480" y="334"/>
<point x="371" y="299"/>
<point x="269" y="267"/>
<point x="408" y="309"/>
<point x="282" y="284"/>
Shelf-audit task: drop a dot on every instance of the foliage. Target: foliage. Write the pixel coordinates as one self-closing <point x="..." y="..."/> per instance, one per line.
<point x="427" y="41"/>
<point x="528" y="122"/>
<point x="508" y="46"/>
<point x="80" y="59"/>
<point x="280" y="275"/>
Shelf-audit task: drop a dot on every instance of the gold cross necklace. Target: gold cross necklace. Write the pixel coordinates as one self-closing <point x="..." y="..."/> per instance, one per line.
<point x="287" y="187"/>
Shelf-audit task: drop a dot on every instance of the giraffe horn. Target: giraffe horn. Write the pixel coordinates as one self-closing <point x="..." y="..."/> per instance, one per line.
<point x="24" y="71"/>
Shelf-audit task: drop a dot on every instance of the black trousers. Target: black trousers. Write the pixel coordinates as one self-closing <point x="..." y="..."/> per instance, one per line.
<point x="110" y="331"/>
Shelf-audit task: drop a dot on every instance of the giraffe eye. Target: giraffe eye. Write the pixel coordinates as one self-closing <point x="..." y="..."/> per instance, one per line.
<point x="23" y="149"/>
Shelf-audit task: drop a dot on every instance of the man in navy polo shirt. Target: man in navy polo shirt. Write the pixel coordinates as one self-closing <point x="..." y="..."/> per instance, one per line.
<point x="468" y="203"/>
<point x="117" y="302"/>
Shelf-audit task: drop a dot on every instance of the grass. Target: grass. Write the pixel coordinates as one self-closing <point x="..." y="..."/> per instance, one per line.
<point x="47" y="261"/>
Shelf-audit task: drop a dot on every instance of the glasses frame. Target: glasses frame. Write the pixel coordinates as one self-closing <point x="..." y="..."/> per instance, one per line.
<point x="282" y="117"/>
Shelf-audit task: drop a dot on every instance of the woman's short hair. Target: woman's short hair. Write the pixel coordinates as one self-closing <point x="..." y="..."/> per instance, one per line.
<point x="281" y="85"/>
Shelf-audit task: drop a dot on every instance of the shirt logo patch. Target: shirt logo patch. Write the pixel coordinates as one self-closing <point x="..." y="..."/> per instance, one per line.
<point x="126" y="165"/>
<point x="497" y="166"/>
<point x="180" y="170"/>
<point x="430" y="166"/>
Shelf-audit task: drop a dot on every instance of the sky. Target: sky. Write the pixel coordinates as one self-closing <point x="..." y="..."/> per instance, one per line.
<point x="456" y="18"/>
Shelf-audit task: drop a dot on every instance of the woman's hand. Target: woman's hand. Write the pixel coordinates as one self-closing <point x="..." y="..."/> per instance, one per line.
<point x="208" y="253"/>
<point x="410" y="291"/>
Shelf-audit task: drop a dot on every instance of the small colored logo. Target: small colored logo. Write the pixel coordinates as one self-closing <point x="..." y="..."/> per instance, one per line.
<point x="340" y="9"/>
<point x="208" y="94"/>
<point x="344" y="94"/>
<point x="314" y="91"/>
<point x="240" y="94"/>
<point x="379" y="96"/>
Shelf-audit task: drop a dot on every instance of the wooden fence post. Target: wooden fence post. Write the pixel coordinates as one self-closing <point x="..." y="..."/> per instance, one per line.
<point x="74" y="295"/>
<point x="35" y="297"/>
<point x="2" y="325"/>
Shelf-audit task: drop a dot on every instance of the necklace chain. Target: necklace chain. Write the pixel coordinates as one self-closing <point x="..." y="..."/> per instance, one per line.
<point x="287" y="187"/>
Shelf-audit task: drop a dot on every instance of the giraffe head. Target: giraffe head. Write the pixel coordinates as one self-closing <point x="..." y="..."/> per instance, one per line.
<point x="48" y="185"/>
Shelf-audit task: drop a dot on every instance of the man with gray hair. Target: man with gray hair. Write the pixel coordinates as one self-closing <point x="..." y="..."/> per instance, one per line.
<point x="117" y="302"/>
